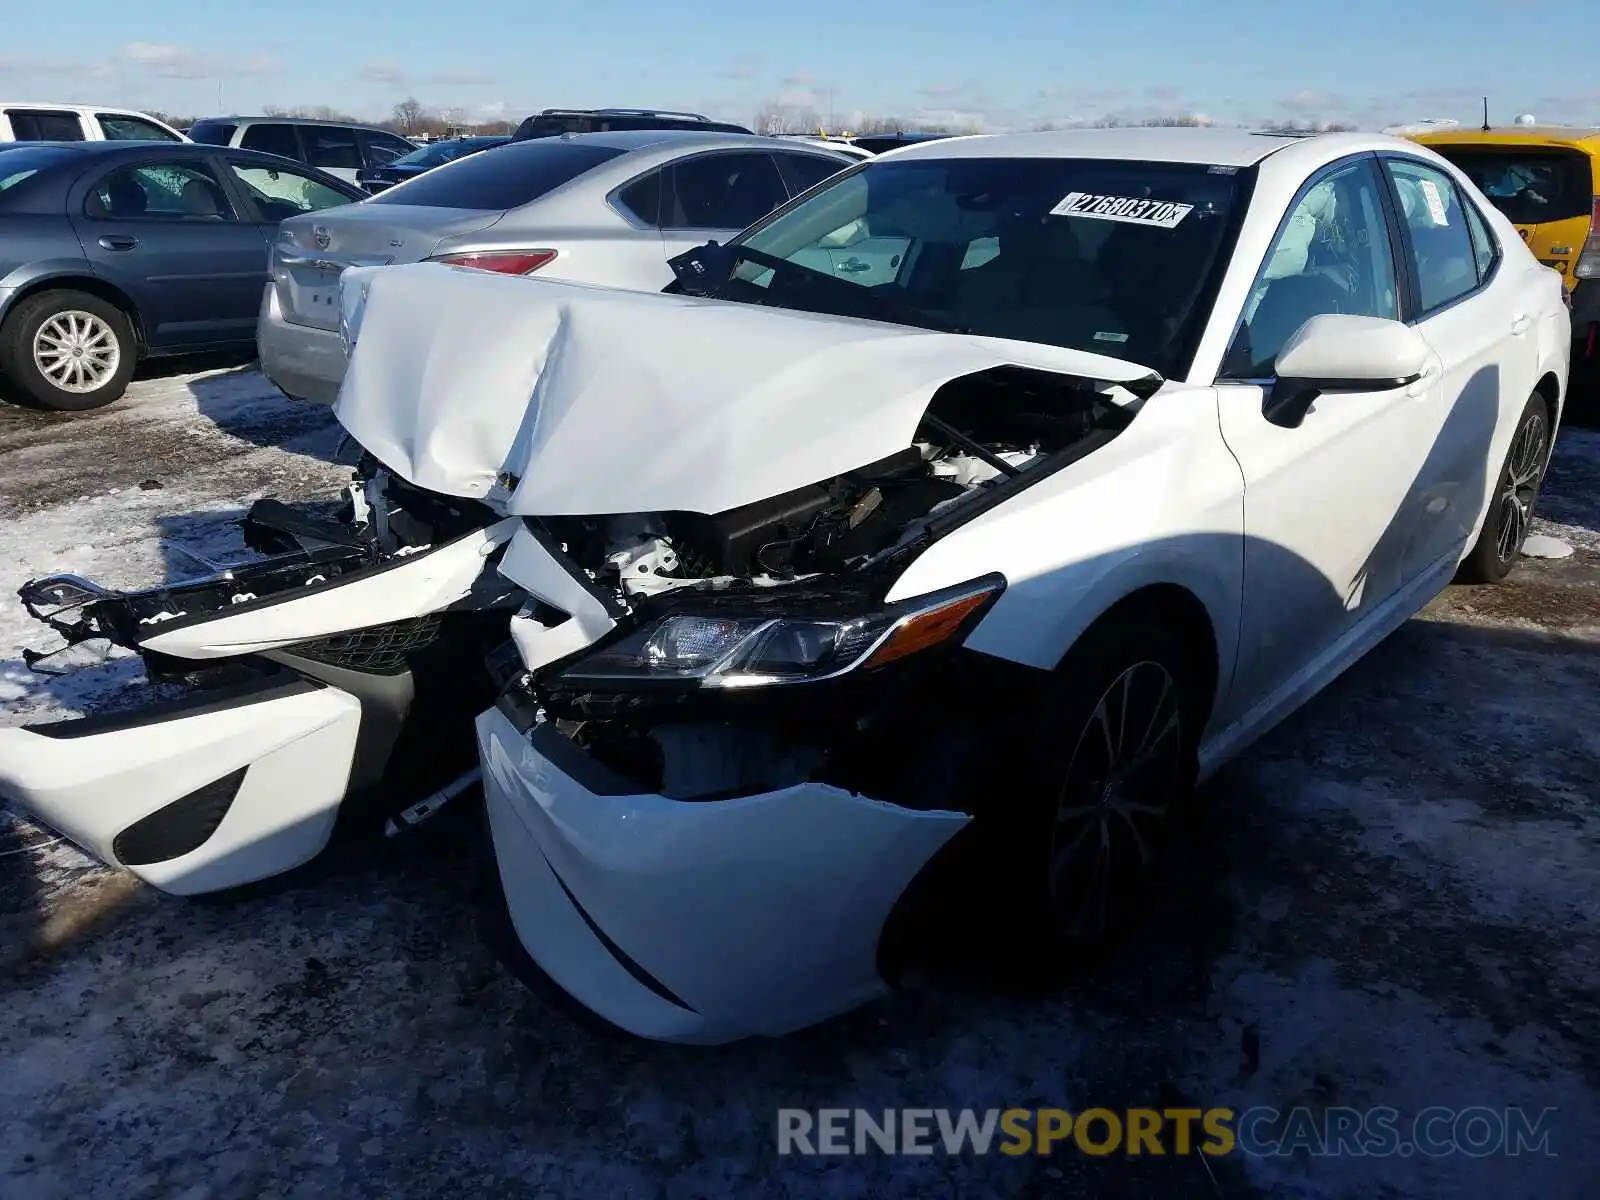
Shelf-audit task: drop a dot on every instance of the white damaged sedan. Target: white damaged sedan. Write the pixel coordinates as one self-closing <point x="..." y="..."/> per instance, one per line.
<point x="916" y="554"/>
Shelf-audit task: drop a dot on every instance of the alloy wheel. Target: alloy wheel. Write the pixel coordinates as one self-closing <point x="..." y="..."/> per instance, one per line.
<point x="77" y="351"/>
<point x="1519" y="486"/>
<point x="1119" y="789"/>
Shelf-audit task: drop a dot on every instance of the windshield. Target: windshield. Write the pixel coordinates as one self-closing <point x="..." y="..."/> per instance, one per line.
<point x="1107" y="256"/>
<point x="1530" y="185"/>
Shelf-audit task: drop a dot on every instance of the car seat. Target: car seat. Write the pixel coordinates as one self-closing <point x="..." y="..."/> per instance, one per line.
<point x="124" y="196"/>
<point x="1035" y="280"/>
<point x="202" y="198"/>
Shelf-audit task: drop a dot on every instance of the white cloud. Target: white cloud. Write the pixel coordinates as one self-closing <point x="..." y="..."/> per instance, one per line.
<point x="951" y="118"/>
<point x="166" y="60"/>
<point x="171" y="61"/>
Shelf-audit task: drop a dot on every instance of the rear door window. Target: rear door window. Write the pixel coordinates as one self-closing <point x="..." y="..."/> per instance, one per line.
<point x="160" y="192"/>
<point x="1442" y="259"/>
<point x="45" y="125"/>
<point x="272" y="137"/>
<point x="642" y="199"/>
<point x="1530" y="185"/>
<point x="118" y="128"/>
<point x="724" y="191"/>
<point x="805" y="171"/>
<point x="331" y="147"/>
<point x="1484" y="247"/>
<point x="505" y="179"/>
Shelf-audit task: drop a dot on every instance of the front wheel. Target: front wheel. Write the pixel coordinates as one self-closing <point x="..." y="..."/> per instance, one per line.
<point x="1505" y="526"/>
<point x="1073" y="854"/>
<point x="68" y="351"/>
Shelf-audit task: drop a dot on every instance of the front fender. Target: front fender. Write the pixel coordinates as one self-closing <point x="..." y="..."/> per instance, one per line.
<point x="1162" y="503"/>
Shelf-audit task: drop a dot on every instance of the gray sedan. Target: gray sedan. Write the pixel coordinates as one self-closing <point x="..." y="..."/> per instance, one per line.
<point x="115" y="251"/>
<point x="604" y="208"/>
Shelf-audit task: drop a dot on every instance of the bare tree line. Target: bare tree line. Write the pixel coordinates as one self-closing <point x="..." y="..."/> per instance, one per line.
<point x="412" y="118"/>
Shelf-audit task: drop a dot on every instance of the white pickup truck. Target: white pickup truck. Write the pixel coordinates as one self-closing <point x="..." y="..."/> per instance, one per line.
<point x="23" y="121"/>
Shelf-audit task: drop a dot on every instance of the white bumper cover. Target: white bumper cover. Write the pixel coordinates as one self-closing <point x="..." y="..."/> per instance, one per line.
<point x="94" y="779"/>
<point x="697" y="922"/>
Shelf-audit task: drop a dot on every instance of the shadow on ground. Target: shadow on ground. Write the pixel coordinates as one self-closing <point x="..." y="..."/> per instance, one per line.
<point x="242" y="404"/>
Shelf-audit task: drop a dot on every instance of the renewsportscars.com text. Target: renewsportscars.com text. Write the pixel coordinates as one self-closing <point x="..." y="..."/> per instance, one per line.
<point x="1478" y="1132"/>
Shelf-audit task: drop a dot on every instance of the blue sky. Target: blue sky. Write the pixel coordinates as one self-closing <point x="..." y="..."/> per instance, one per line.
<point x="1003" y="63"/>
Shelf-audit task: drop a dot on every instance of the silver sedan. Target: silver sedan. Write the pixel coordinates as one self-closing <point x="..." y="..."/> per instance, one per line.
<point x="604" y="208"/>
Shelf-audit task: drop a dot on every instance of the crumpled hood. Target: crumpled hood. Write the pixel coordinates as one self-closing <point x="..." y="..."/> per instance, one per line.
<point x="604" y="401"/>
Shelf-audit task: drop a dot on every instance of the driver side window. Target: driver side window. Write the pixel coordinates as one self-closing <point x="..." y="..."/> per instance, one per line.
<point x="1332" y="255"/>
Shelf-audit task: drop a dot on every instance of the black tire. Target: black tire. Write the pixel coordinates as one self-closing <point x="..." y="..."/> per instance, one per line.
<point x="22" y="327"/>
<point x="1074" y="857"/>
<point x="1516" y="491"/>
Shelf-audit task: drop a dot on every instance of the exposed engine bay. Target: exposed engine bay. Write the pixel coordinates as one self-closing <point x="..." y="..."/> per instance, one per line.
<point x="401" y="603"/>
<point x="979" y="432"/>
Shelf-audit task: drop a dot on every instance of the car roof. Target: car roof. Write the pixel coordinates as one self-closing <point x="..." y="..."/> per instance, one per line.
<point x="1512" y="135"/>
<point x="109" y="147"/>
<point x="664" y="139"/>
<point x="1220" y="147"/>
<point x="116" y="109"/>
<point x="300" y="121"/>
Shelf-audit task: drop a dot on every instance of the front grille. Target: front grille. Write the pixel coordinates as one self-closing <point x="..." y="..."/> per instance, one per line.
<point x="377" y="650"/>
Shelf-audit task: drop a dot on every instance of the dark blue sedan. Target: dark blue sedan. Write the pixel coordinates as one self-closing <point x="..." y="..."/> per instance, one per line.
<point x="115" y="251"/>
<point x="425" y="158"/>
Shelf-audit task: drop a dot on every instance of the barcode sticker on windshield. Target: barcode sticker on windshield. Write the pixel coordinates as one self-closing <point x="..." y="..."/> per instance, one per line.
<point x="1129" y="209"/>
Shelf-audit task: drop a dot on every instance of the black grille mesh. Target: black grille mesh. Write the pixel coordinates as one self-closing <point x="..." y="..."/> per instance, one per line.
<point x="378" y="649"/>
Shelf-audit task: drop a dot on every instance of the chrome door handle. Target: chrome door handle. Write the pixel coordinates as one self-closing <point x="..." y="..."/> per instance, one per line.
<point x="117" y="241"/>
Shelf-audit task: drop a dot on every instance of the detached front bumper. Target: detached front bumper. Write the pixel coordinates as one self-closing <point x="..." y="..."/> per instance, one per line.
<point x="696" y="921"/>
<point x="222" y="789"/>
<point x="308" y="677"/>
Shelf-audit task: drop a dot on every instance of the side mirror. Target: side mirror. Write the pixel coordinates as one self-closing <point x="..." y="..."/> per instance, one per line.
<point x="1336" y="352"/>
<point x="702" y="270"/>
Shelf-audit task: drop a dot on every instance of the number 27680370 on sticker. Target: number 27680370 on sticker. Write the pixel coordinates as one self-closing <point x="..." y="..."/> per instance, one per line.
<point x="1132" y="210"/>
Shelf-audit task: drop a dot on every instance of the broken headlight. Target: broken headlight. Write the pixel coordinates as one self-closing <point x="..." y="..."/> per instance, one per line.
<point x="733" y="650"/>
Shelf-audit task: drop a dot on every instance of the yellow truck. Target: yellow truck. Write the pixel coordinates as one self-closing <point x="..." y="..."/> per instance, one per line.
<point x="1546" y="179"/>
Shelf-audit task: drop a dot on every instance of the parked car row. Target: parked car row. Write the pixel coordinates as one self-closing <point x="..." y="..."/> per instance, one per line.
<point x="150" y="249"/>
<point x="600" y="208"/>
<point x="889" y="579"/>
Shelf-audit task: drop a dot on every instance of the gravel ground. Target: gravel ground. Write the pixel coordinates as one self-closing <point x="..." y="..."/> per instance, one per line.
<point x="1393" y="902"/>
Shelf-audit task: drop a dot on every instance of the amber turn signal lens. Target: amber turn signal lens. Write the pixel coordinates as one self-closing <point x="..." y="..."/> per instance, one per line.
<point x="926" y="629"/>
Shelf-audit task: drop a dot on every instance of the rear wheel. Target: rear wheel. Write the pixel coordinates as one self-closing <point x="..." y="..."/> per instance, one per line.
<point x="68" y="351"/>
<point x="1505" y="527"/>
